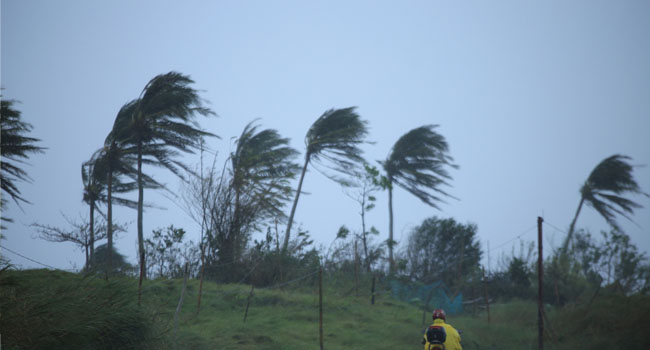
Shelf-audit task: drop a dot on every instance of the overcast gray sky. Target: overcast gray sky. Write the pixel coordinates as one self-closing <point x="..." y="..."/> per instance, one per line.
<point x="530" y="96"/>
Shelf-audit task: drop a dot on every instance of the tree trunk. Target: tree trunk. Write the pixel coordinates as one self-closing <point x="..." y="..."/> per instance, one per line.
<point x="162" y="264"/>
<point x="226" y="257"/>
<point x="356" y="269"/>
<point x="143" y="268"/>
<point x="198" y="305"/>
<point x="87" y="260"/>
<point x="92" y="234"/>
<point x="203" y="200"/>
<point x="363" y="229"/>
<point x="391" y="262"/>
<point x="295" y="204"/>
<point x="109" y="224"/>
<point x="569" y="235"/>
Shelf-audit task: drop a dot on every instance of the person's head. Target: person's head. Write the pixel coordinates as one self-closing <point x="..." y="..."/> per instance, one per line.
<point x="439" y="313"/>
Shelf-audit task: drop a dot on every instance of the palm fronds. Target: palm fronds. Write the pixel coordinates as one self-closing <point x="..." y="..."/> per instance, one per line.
<point x="334" y="138"/>
<point x="418" y="163"/>
<point x="15" y="148"/>
<point x="333" y="141"/>
<point x="604" y="189"/>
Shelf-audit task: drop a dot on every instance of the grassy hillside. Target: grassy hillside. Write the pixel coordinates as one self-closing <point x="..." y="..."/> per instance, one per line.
<point x="45" y="309"/>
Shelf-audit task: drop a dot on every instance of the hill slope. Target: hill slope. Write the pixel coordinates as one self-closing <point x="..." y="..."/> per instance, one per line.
<point x="53" y="309"/>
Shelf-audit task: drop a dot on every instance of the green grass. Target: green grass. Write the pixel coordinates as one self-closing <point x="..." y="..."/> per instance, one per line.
<point x="289" y="320"/>
<point x="45" y="309"/>
<point x="42" y="309"/>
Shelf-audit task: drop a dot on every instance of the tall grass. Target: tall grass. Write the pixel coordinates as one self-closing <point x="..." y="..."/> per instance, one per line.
<point x="55" y="310"/>
<point x="43" y="309"/>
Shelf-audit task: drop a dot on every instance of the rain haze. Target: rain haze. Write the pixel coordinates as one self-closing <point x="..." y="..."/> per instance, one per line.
<point x="530" y="97"/>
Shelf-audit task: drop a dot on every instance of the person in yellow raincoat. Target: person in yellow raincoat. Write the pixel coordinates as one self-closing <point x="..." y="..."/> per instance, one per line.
<point x="452" y="341"/>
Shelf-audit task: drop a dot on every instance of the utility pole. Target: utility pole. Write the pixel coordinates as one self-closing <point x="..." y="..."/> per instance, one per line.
<point x="540" y="282"/>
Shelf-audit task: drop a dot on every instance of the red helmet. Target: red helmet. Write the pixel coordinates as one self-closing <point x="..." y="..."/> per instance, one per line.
<point x="439" y="313"/>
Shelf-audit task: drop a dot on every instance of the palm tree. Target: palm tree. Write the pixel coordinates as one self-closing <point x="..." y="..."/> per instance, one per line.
<point x="162" y="123"/>
<point x="262" y="168"/>
<point x="418" y="163"/>
<point x="603" y="191"/>
<point x="93" y="190"/>
<point x="100" y="182"/>
<point x="110" y="164"/>
<point x="333" y="139"/>
<point x="15" y="146"/>
<point x="118" y="160"/>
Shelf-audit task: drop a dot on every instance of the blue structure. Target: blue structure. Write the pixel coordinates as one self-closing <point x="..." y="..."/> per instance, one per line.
<point x="428" y="296"/>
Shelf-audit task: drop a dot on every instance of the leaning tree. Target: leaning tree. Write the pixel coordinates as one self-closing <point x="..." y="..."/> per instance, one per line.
<point x="418" y="163"/>
<point x="333" y="140"/>
<point x="604" y="189"/>
<point x="162" y="121"/>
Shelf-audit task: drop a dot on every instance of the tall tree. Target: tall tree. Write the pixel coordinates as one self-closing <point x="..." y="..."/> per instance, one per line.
<point x="110" y="165"/>
<point x="604" y="189"/>
<point x="437" y="245"/>
<point x="93" y="189"/>
<point x="252" y="188"/>
<point x="362" y="191"/>
<point x="116" y="160"/>
<point x="333" y="140"/>
<point x="15" y="148"/>
<point x="418" y="163"/>
<point x="162" y="120"/>
<point x="262" y="166"/>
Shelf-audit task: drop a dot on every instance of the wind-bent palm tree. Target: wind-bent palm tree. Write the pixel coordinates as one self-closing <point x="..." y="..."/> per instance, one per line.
<point x="15" y="147"/>
<point x="111" y="163"/>
<point x="418" y="163"/>
<point x="262" y="168"/>
<point x="603" y="191"/>
<point x="120" y="160"/>
<point x="93" y="190"/>
<point x="100" y="182"/>
<point x="333" y="139"/>
<point x="162" y="123"/>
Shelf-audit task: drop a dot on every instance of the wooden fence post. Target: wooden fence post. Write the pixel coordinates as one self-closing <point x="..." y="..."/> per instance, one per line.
<point x="320" y="306"/>
<point x="372" y="291"/>
<point x="180" y="303"/>
<point x="487" y="298"/>
<point x="356" y="269"/>
<point x="248" y="302"/>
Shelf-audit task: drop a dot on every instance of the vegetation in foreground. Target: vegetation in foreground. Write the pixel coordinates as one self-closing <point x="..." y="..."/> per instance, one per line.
<point x="54" y="309"/>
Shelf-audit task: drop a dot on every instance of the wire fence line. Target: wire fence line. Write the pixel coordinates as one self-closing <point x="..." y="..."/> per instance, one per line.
<point x="30" y="259"/>
<point x="555" y="227"/>
<point x="528" y="230"/>
<point x="293" y="280"/>
<point x="259" y="260"/>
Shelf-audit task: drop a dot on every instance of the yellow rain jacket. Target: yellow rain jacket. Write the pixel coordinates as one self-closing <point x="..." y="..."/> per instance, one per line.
<point x="453" y="338"/>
